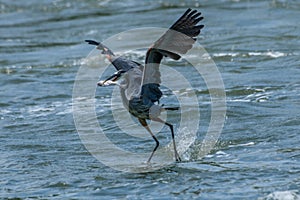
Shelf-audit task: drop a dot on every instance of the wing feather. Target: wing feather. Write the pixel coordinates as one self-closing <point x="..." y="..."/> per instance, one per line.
<point x="177" y="40"/>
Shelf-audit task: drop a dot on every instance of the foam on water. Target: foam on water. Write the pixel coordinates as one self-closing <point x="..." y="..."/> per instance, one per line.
<point x="271" y="54"/>
<point x="282" y="195"/>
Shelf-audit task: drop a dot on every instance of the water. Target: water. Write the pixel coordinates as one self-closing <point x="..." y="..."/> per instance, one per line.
<point x="255" y="45"/>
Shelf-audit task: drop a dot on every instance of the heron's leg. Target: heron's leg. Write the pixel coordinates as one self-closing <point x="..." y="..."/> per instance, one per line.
<point x="144" y="124"/>
<point x="177" y="158"/>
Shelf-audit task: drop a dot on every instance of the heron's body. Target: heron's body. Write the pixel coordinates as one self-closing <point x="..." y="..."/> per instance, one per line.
<point x="139" y="87"/>
<point x="136" y="98"/>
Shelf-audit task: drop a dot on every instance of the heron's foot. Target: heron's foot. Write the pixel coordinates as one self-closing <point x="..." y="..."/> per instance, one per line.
<point x="149" y="159"/>
<point x="177" y="157"/>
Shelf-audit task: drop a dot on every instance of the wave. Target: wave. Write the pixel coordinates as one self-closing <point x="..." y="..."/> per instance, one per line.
<point x="271" y="54"/>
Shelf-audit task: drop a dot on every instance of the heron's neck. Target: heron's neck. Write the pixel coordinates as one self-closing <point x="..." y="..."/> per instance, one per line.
<point x="124" y="98"/>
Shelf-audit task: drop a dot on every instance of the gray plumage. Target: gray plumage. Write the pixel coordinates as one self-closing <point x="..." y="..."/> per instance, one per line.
<point x="139" y="88"/>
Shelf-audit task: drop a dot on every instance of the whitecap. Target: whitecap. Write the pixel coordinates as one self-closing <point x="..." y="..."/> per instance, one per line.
<point x="225" y="54"/>
<point x="282" y="195"/>
<point x="272" y="54"/>
<point x="242" y="145"/>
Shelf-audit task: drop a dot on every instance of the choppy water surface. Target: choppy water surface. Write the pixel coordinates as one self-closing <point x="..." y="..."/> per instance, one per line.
<point x="255" y="45"/>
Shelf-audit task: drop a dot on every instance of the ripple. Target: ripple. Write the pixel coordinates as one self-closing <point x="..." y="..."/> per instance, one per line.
<point x="256" y="51"/>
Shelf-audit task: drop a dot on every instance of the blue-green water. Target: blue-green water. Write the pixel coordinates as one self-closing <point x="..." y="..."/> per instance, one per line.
<point x="255" y="45"/>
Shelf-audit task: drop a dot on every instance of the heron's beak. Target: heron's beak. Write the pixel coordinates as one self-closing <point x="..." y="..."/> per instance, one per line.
<point x="111" y="79"/>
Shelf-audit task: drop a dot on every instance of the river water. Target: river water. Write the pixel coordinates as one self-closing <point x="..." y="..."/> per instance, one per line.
<point x="255" y="45"/>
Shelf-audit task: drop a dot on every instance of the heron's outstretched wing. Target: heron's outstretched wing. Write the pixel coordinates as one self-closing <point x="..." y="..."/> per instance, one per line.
<point x="176" y="41"/>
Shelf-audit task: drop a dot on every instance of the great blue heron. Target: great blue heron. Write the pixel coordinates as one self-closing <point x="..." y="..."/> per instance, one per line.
<point x="139" y="89"/>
